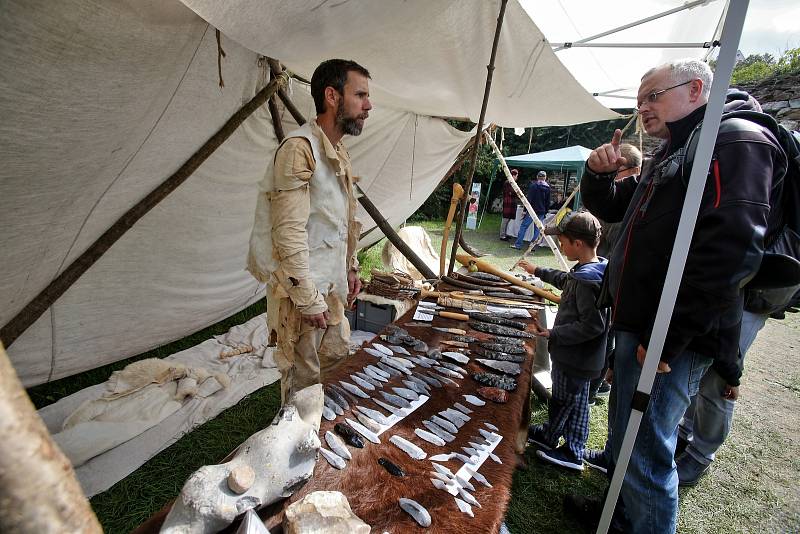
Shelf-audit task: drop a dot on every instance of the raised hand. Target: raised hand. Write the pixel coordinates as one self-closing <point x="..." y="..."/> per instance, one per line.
<point x="607" y="158"/>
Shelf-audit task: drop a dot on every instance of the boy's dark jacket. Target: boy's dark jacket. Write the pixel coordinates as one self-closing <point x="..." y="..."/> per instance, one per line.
<point x="578" y="337"/>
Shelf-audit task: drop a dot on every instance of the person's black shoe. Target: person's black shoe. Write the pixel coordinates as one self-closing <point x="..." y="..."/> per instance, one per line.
<point x="604" y="390"/>
<point x="596" y="459"/>
<point x="680" y="446"/>
<point x="536" y="436"/>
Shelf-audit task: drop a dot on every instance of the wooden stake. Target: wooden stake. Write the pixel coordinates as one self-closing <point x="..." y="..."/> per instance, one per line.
<point x="479" y="132"/>
<point x="41" y="302"/>
<point x="38" y="488"/>
<point x="392" y="236"/>
<point x="487" y="267"/>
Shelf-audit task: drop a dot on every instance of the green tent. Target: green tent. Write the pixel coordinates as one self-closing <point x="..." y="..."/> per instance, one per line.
<point x="560" y="159"/>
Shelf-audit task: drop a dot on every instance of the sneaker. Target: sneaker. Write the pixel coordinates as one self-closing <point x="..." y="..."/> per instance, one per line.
<point x="515" y="247"/>
<point x="596" y="459"/>
<point x="604" y="390"/>
<point x="690" y="471"/>
<point x="537" y="437"/>
<point x="561" y="456"/>
<point x="592" y="401"/>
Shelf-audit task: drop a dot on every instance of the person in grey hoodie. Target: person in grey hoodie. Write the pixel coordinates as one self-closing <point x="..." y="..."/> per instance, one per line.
<point x="577" y="341"/>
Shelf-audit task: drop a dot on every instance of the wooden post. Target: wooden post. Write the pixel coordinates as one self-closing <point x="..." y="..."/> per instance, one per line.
<point x="479" y="132"/>
<point x="41" y="302"/>
<point x="38" y="488"/>
<point x="392" y="236"/>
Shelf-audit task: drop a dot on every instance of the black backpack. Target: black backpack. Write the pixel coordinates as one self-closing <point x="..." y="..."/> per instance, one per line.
<point x="775" y="289"/>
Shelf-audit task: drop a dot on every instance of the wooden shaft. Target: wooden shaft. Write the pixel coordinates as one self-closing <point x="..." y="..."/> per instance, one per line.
<point x="479" y="131"/>
<point x="392" y="236"/>
<point x="41" y="302"/>
<point x="458" y="193"/>
<point x="454" y="315"/>
<point x="487" y="267"/>
<point x="276" y="68"/>
<point x="38" y="489"/>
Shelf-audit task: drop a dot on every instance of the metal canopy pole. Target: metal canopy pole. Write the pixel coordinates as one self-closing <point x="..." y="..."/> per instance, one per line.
<point x="687" y="5"/>
<point x="703" y="44"/>
<point x="731" y="34"/>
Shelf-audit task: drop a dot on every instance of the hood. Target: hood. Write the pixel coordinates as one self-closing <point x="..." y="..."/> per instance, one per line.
<point x="738" y="100"/>
<point x="590" y="272"/>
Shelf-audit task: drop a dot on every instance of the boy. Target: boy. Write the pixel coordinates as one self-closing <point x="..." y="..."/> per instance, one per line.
<point x="577" y="341"/>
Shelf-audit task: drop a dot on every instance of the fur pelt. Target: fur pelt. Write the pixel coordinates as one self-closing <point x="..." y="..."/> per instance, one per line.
<point x="417" y="238"/>
<point x="373" y="493"/>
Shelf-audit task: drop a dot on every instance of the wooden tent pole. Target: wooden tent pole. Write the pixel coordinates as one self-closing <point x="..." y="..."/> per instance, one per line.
<point x="478" y="133"/>
<point x="291" y="108"/>
<point x="392" y="236"/>
<point x="41" y="302"/>
<point x="272" y="105"/>
<point x="30" y="462"/>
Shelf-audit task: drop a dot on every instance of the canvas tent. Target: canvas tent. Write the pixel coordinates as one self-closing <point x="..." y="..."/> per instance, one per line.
<point x="571" y="158"/>
<point x="102" y="100"/>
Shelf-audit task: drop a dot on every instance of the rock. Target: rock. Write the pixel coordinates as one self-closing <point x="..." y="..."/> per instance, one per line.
<point x="241" y="478"/>
<point x="794" y="103"/>
<point x="789" y="113"/>
<point x="775" y="106"/>
<point x="281" y="458"/>
<point x="323" y="511"/>
<point x="494" y="394"/>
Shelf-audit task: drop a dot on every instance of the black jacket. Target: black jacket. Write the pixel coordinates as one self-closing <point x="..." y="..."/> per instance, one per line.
<point x="578" y="337"/>
<point x="726" y="247"/>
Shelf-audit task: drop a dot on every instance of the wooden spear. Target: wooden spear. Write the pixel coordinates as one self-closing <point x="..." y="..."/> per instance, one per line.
<point x="479" y="132"/>
<point x="41" y="302"/>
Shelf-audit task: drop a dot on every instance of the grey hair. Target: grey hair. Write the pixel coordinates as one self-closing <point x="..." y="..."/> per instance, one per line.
<point x="683" y="70"/>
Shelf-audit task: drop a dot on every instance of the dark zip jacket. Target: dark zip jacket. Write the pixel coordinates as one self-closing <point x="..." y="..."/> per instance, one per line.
<point x="725" y="250"/>
<point x="578" y="337"/>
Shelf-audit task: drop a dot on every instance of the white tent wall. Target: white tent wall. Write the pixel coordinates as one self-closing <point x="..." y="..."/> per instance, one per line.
<point x="101" y="101"/>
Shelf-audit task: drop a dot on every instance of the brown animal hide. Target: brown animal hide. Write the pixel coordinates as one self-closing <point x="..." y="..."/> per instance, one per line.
<point x="373" y="493"/>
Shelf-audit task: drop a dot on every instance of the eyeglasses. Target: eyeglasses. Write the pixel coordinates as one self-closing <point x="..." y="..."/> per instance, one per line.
<point x="653" y="97"/>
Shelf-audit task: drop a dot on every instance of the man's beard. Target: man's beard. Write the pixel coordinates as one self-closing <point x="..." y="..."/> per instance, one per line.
<point x="349" y="125"/>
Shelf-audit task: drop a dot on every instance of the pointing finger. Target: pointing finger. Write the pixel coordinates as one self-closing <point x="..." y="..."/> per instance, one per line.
<point x="616" y="139"/>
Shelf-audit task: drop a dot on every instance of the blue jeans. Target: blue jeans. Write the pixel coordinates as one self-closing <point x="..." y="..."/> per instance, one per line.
<point x="523" y="229"/>
<point x="650" y="489"/>
<point x="708" y="418"/>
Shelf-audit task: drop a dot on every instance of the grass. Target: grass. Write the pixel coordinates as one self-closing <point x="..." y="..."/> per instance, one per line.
<point x="729" y="501"/>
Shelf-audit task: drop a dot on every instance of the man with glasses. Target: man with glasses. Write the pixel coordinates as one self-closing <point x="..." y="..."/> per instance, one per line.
<point x="725" y="252"/>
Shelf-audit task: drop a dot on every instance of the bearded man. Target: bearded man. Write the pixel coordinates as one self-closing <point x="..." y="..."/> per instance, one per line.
<point x="303" y="244"/>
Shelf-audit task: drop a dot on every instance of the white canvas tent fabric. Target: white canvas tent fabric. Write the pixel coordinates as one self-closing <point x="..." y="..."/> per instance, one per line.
<point x="103" y="100"/>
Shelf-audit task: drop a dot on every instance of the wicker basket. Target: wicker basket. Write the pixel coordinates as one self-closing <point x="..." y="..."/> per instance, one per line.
<point x="396" y="285"/>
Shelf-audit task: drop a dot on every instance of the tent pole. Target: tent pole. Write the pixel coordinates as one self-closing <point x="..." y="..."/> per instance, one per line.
<point x="276" y="68"/>
<point x="392" y="236"/>
<point x="30" y="461"/>
<point x="731" y="33"/>
<point x="528" y="208"/>
<point x="272" y="105"/>
<point x="687" y="5"/>
<point x="478" y="132"/>
<point x="41" y="302"/>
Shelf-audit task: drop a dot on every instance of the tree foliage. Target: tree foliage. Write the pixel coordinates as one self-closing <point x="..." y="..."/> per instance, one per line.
<point x="757" y="67"/>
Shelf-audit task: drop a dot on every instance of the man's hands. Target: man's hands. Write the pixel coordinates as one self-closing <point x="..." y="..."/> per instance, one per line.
<point x="607" y="158"/>
<point x="317" y="320"/>
<point x="641" y="353"/>
<point x="730" y="392"/>
<point x="353" y="287"/>
<point x="528" y="266"/>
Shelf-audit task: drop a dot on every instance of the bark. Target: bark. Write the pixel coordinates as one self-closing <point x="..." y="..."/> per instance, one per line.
<point x="38" y="489"/>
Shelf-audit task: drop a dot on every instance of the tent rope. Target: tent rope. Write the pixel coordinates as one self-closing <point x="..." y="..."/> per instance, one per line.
<point x="220" y="55"/>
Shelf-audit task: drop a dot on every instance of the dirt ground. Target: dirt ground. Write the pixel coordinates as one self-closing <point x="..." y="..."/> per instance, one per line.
<point x="753" y="485"/>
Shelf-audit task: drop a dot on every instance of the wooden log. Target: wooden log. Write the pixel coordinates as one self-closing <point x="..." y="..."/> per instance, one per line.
<point x="479" y="131"/>
<point x="392" y="236"/>
<point x="38" y="489"/>
<point x="486" y="267"/>
<point x="41" y="302"/>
